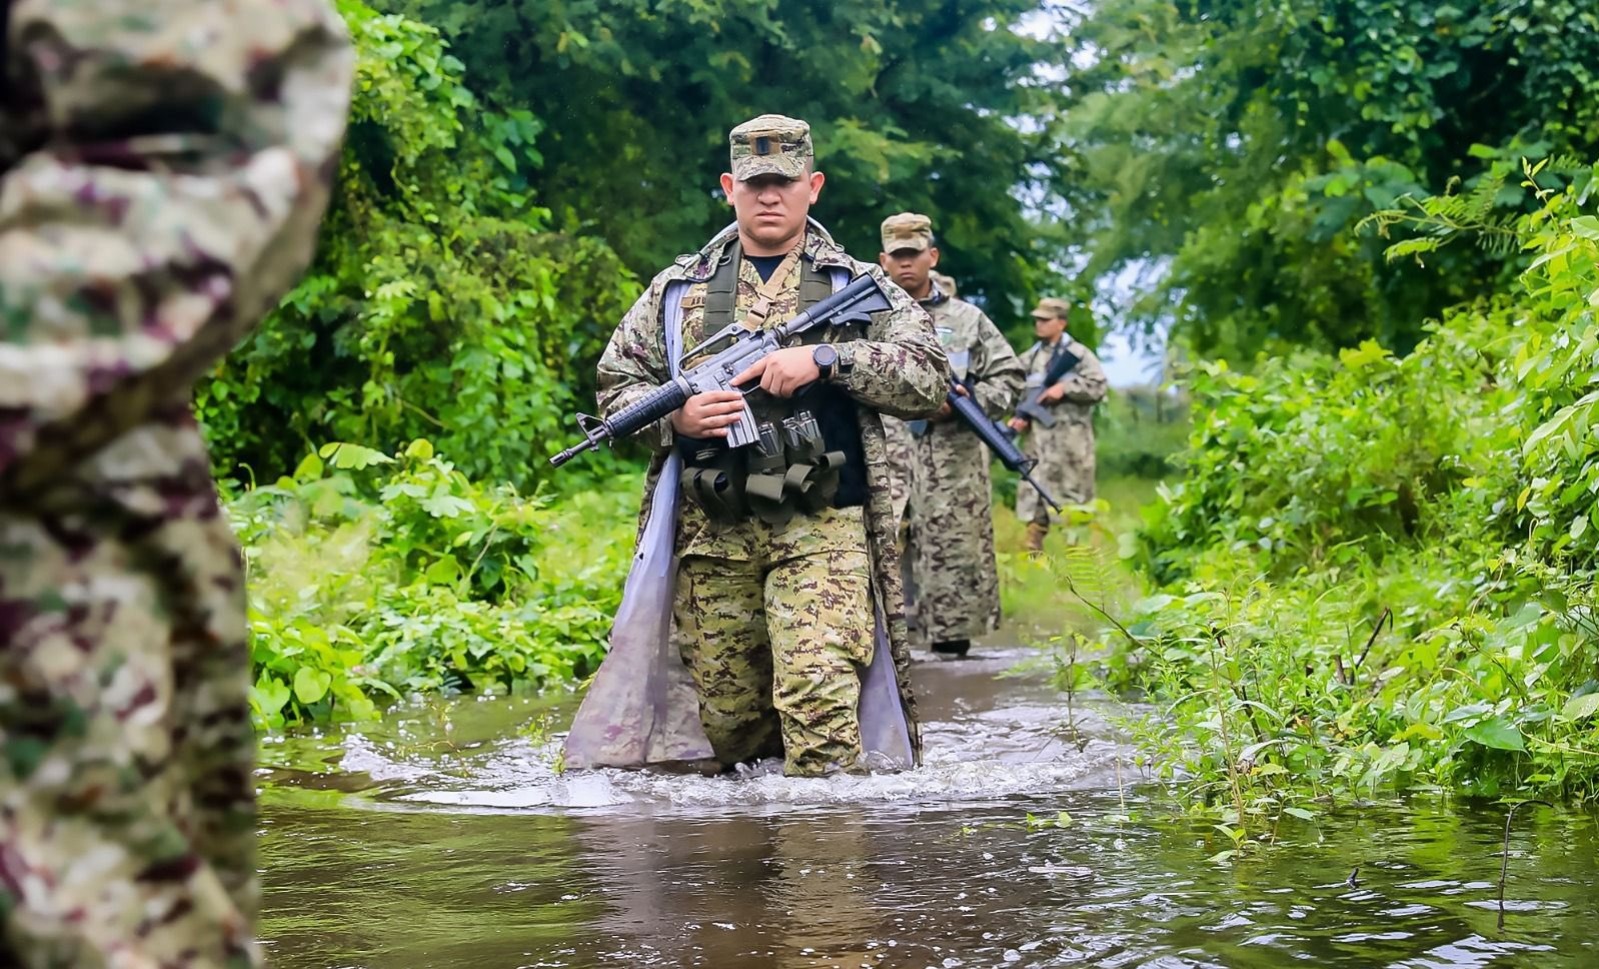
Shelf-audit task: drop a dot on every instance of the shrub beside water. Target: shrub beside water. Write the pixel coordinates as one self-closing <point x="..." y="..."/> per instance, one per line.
<point x="375" y="577"/>
<point x="1376" y="572"/>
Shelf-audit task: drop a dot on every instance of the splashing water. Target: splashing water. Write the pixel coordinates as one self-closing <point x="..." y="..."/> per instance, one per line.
<point x="443" y="837"/>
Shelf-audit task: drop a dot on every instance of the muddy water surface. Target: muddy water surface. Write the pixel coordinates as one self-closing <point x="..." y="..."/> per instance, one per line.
<point x="442" y="837"/>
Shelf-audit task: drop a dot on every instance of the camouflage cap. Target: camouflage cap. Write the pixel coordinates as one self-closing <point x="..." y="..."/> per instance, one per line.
<point x="1050" y="308"/>
<point x="771" y="144"/>
<point x="907" y="230"/>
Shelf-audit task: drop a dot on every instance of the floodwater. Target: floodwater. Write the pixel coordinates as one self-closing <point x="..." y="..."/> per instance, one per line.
<point x="443" y="837"/>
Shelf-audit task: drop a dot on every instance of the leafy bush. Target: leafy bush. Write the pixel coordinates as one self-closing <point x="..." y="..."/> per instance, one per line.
<point x="375" y="577"/>
<point x="440" y="303"/>
<point x="1312" y="460"/>
<point x="1377" y="571"/>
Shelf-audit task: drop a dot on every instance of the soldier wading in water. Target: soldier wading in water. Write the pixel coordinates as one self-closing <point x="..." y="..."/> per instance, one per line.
<point x="787" y="559"/>
<point x="951" y="579"/>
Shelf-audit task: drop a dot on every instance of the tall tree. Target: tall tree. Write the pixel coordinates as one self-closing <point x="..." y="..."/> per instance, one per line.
<point x="1238" y="143"/>
<point x="441" y="304"/>
<point x="930" y="105"/>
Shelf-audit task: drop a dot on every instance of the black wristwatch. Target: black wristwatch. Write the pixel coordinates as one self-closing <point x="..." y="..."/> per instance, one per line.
<point x="826" y="359"/>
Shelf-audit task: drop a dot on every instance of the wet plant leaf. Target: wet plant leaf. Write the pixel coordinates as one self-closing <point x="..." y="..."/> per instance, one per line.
<point x="1581" y="707"/>
<point x="311" y="685"/>
<point x="1496" y="733"/>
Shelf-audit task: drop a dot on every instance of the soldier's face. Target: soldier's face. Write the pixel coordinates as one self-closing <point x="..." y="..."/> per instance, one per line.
<point x="1048" y="328"/>
<point x="912" y="269"/>
<point x="771" y="209"/>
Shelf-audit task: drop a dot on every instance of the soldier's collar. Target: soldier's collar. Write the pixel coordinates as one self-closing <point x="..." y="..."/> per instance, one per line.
<point x="818" y="247"/>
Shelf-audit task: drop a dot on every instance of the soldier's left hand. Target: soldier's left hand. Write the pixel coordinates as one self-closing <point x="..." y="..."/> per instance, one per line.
<point x="1051" y="394"/>
<point x="782" y="372"/>
<point x="944" y="410"/>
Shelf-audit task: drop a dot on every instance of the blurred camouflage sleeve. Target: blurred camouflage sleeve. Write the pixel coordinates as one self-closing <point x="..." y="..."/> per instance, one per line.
<point x="899" y="368"/>
<point x="1000" y="374"/>
<point x="178" y="164"/>
<point x="634" y="362"/>
<point x="1086" y="384"/>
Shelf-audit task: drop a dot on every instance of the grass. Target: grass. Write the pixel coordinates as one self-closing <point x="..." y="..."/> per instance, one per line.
<point x="1084" y="554"/>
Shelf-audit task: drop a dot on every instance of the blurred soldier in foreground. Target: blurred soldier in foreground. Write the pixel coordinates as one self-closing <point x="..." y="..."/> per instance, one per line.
<point x="787" y="587"/>
<point x="163" y="168"/>
<point x="953" y="582"/>
<point x="1064" y="382"/>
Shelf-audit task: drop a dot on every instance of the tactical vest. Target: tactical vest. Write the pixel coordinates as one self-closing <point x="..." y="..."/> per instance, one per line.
<point x="809" y="455"/>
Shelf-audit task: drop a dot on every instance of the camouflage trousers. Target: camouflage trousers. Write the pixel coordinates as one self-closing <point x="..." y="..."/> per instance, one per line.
<point x="776" y="644"/>
<point x="127" y="815"/>
<point x="1065" y="456"/>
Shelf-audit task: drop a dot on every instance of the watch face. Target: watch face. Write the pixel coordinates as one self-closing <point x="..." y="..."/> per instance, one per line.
<point x="824" y="355"/>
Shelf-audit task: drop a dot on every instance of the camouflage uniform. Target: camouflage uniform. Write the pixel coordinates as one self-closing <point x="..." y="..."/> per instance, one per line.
<point x="773" y="620"/>
<point x="952" y="582"/>
<point x="163" y="168"/>
<point x="1065" y="452"/>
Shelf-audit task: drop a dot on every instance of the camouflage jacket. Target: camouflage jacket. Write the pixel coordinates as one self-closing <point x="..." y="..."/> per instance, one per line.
<point x="1084" y="386"/>
<point x="977" y="352"/>
<point x="952" y="565"/>
<point x="1065" y="452"/>
<point x="163" y="169"/>
<point x="900" y="370"/>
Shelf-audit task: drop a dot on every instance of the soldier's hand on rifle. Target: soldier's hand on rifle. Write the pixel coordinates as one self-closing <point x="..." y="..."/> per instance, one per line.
<point x="1017" y="424"/>
<point x="708" y="414"/>
<point x="944" y="410"/>
<point x="782" y="372"/>
<point x="1052" y="393"/>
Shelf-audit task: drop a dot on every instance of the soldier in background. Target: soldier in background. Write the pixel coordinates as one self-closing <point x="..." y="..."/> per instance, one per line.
<point x="1065" y="452"/>
<point x="949" y="556"/>
<point x="779" y="604"/>
<point x="164" y="165"/>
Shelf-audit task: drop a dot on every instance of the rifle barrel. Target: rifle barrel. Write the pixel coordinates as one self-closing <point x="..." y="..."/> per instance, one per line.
<point x="570" y="453"/>
<point x="1027" y="476"/>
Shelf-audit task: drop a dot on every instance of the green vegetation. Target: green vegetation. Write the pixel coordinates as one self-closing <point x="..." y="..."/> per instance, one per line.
<point x="912" y="103"/>
<point x="1376" y="572"/>
<point x="377" y="577"/>
<point x="1237" y="144"/>
<point x="1051" y="599"/>
<point x="1372" y="569"/>
<point x="441" y="304"/>
<point x="444" y="308"/>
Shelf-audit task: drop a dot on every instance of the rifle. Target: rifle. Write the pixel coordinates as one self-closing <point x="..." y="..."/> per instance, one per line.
<point x="855" y="303"/>
<point x="1031" y="409"/>
<point x="996" y="436"/>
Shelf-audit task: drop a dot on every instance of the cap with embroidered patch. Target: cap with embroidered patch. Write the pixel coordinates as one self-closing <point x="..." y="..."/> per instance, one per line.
<point x="770" y="145"/>
<point x="907" y="230"/>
